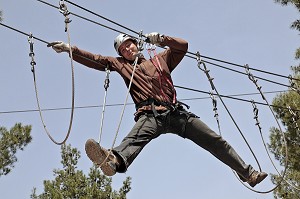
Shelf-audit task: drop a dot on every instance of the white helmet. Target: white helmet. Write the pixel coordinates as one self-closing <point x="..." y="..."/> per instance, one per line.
<point x="121" y="38"/>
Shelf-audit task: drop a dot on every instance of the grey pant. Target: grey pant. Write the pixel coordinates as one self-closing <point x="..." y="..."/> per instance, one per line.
<point x="186" y="125"/>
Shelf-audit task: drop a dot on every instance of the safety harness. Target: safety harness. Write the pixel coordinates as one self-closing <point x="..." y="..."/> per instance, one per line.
<point x="174" y="104"/>
<point x="162" y="75"/>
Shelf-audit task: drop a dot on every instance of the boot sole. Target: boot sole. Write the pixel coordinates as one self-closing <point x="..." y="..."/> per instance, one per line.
<point x="108" y="169"/>
<point x="260" y="178"/>
<point x="97" y="155"/>
<point x="94" y="151"/>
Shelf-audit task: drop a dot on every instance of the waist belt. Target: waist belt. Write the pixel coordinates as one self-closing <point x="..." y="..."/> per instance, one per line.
<point x="153" y="103"/>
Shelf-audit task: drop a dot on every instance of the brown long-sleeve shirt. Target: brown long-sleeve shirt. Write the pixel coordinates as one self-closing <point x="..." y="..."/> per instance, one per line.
<point x="146" y="78"/>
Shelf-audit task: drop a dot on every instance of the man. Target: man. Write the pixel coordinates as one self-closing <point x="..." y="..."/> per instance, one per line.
<point x="158" y="110"/>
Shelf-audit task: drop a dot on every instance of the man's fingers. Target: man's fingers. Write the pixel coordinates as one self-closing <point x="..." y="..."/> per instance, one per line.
<point x="53" y="43"/>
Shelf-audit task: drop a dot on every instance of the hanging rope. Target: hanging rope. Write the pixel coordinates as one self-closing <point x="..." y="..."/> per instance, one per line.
<point x="210" y="79"/>
<point x="255" y="111"/>
<point x="233" y="97"/>
<point x="33" y="63"/>
<point x="204" y="61"/>
<point x="140" y="48"/>
<point x="259" y="88"/>
<point x="106" y="85"/>
<point x="64" y="11"/>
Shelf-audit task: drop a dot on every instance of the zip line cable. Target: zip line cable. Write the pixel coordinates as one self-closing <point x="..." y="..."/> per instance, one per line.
<point x="183" y="99"/>
<point x="241" y="66"/>
<point x="194" y="54"/>
<point x="181" y="87"/>
<point x="111" y="21"/>
<point x="84" y="18"/>
<point x="188" y="56"/>
<point x="126" y="97"/>
<point x="26" y="34"/>
<point x="252" y="78"/>
<point x="243" y="73"/>
<point x="208" y="76"/>
<point x="258" y="70"/>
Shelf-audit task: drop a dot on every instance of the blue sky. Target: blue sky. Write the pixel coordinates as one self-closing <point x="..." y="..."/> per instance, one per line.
<point x="243" y="32"/>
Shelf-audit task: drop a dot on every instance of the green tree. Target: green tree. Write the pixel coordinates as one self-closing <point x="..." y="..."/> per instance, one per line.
<point x="10" y="142"/>
<point x="291" y="121"/>
<point x="296" y="24"/>
<point x="72" y="183"/>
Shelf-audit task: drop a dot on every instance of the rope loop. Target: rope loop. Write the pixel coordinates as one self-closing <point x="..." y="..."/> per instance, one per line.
<point x="106" y="85"/>
<point x="33" y="63"/>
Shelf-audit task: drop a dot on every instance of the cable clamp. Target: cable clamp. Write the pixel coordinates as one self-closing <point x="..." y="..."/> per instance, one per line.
<point x="255" y="112"/>
<point x="31" y="53"/>
<point x="199" y="60"/>
<point x="106" y="81"/>
<point x="140" y="42"/>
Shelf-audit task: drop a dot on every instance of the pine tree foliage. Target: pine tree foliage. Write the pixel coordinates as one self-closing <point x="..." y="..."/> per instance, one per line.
<point x="72" y="183"/>
<point x="10" y="142"/>
<point x="291" y="122"/>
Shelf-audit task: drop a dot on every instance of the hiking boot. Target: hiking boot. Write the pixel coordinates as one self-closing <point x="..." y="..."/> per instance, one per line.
<point x="105" y="159"/>
<point x="256" y="177"/>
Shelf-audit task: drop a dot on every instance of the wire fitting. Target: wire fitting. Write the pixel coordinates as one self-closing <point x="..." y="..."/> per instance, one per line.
<point x="31" y="53"/>
<point x="64" y="10"/>
<point x="140" y="42"/>
<point x="199" y="60"/>
<point x="106" y="81"/>
<point x="215" y="109"/>
<point x="205" y="70"/>
<point x="254" y="80"/>
<point x="255" y="112"/>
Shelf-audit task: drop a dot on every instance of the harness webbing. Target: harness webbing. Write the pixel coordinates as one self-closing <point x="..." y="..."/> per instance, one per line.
<point x="162" y="75"/>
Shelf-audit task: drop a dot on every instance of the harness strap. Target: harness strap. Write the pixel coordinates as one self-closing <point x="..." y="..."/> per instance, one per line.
<point x="162" y="75"/>
<point x="153" y="102"/>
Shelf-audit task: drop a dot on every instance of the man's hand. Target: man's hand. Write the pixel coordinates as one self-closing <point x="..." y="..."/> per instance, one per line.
<point x="154" y="38"/>
<point x="59" y="46"/>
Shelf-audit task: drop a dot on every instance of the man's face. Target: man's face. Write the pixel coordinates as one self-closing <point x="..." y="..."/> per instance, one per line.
<point x="128" y="50"/>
